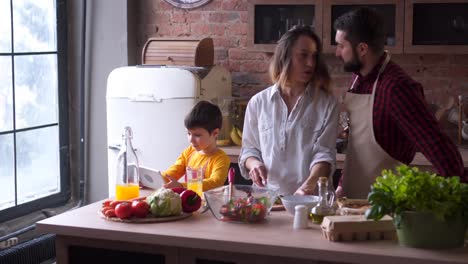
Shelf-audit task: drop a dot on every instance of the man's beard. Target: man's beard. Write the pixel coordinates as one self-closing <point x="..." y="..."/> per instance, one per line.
<point x="354" y="65"/>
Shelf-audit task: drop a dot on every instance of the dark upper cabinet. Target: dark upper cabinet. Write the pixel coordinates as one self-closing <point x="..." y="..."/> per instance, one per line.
<point x="436" y="26"/>
<point x="391" y="10"/>
<point x="270" y="19"/>
<point x="412" y="26"/>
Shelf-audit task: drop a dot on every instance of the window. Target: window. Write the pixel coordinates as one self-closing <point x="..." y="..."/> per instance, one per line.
<point x="33" y="107"/>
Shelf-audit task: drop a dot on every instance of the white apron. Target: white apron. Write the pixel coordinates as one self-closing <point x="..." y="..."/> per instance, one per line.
<point x="365" y="158"/>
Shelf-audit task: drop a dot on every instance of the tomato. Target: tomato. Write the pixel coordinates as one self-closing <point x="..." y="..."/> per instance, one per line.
<point x="110" y="213"/>
<point x="257" y="213"/>
<point x="123" y="210"/>
<point x="105" y="208"/>
<point x="140" y="208"/>
<point x="106" y="203"/>
<point x="114" y="204"/>
<point x="224" y="210"/>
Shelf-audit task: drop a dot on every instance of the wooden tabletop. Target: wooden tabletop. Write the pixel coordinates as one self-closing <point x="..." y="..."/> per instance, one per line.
<point x="275" y="237"/>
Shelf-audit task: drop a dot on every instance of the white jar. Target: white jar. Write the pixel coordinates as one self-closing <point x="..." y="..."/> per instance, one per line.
<point x="300" y="217"/>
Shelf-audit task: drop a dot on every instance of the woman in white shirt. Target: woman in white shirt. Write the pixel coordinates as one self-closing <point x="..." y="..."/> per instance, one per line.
<point x="290" y="128"/>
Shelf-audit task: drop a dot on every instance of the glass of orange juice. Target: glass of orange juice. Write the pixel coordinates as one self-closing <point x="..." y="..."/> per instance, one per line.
<point x="194" y="178"/>
<point x="127" y="183"/>
<point x="126" y="191"/>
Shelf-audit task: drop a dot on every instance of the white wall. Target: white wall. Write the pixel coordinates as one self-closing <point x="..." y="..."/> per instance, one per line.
<point x="107" y="49"/>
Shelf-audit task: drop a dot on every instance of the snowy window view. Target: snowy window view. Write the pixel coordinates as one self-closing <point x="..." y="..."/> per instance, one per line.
<point x="29" y="102"/>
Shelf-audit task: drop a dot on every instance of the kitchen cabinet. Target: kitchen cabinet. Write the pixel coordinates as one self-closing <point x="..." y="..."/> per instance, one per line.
<point x="82" y="234"/>
<point x="270" y="19"/>
<point x="392" y="11"/>
<point x="413" y="26"/>
<point x="436" y="26"/>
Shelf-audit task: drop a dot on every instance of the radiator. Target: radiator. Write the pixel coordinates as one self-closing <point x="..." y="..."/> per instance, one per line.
<point x="34" y="251"/>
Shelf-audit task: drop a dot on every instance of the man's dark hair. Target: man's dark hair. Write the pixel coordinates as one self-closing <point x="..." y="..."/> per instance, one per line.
<point x="363" y="25"/>
<point x="205" y="115"/>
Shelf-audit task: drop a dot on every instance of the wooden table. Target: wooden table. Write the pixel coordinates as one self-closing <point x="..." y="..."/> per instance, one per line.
<point x="202" y="238"/>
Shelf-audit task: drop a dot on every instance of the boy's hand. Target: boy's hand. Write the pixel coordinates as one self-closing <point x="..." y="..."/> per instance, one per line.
<point x="172" y="183"/>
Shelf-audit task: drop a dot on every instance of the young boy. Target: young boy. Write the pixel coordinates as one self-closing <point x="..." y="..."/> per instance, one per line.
<point x="203" y="124"/>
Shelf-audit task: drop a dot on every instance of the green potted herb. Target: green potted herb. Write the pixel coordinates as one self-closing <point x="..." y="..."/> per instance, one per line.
<point x="429" y="211"/>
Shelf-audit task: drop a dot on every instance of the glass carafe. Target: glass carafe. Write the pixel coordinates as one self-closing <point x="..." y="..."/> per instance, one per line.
<point x="127" y="177"/>
<point x="325" y="205"/>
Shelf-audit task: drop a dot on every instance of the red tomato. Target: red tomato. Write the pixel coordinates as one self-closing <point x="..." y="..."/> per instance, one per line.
<point x="114" y="204"/>
<point x="140" y="208"/>
<point x="104" y="209"/>
<point x="123" y="210"/>
<point x="257" y="213"/>
<point x="106" y="203"/>
<point x="110" y="213"/>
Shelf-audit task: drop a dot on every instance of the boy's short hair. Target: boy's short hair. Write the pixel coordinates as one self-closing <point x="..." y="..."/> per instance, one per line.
<point x="205" y="115"/>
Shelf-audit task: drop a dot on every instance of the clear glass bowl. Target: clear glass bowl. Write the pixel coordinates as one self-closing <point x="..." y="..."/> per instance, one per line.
<point x="248" y="204"/>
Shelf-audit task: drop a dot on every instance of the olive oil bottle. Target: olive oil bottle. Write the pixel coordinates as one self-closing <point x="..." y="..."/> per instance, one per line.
<point x="325" y="205"/>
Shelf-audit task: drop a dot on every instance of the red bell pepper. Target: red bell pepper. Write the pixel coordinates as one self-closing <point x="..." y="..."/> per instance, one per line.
<point x="178" y="190"/>
<point x="191" y="201"/>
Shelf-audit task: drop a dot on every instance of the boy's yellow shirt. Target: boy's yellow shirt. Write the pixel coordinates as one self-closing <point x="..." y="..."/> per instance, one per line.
<point x="216" y="167"/>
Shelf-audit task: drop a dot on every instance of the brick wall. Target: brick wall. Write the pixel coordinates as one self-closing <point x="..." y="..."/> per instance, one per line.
<point x="226" y="22"/>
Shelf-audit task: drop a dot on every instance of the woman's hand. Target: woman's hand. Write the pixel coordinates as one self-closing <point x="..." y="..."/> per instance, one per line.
<point x="320" y="169"/>
<point x="172" y="183"/>
<point x="306" y="189"/>
<point x="258" y="173"/>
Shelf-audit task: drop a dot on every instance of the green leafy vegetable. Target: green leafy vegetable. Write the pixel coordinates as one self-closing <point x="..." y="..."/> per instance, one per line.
<point x="413" y="190"/>
<point x="164" y="202"/>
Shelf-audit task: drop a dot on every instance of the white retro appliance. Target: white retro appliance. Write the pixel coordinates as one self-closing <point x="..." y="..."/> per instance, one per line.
<point x="153" y="101"/>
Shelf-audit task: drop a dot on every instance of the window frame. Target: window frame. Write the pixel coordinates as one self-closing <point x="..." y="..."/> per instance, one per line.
<point x="64" y="195"/>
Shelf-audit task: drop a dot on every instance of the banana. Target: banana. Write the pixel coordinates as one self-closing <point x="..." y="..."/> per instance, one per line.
<point x="235" y="137"/>
<point x="239" y="132"/>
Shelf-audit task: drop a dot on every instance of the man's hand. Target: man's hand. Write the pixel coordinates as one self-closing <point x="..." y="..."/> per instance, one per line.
<point x="339" y="192"/>
<point x="258" y="173"/>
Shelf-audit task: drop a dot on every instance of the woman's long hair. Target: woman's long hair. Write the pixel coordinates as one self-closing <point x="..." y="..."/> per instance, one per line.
<point x="280" y="65"/>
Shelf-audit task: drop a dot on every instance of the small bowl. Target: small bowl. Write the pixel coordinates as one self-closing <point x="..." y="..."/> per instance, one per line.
<point x="248" y="204"/>
<point x="290" y="202"/>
